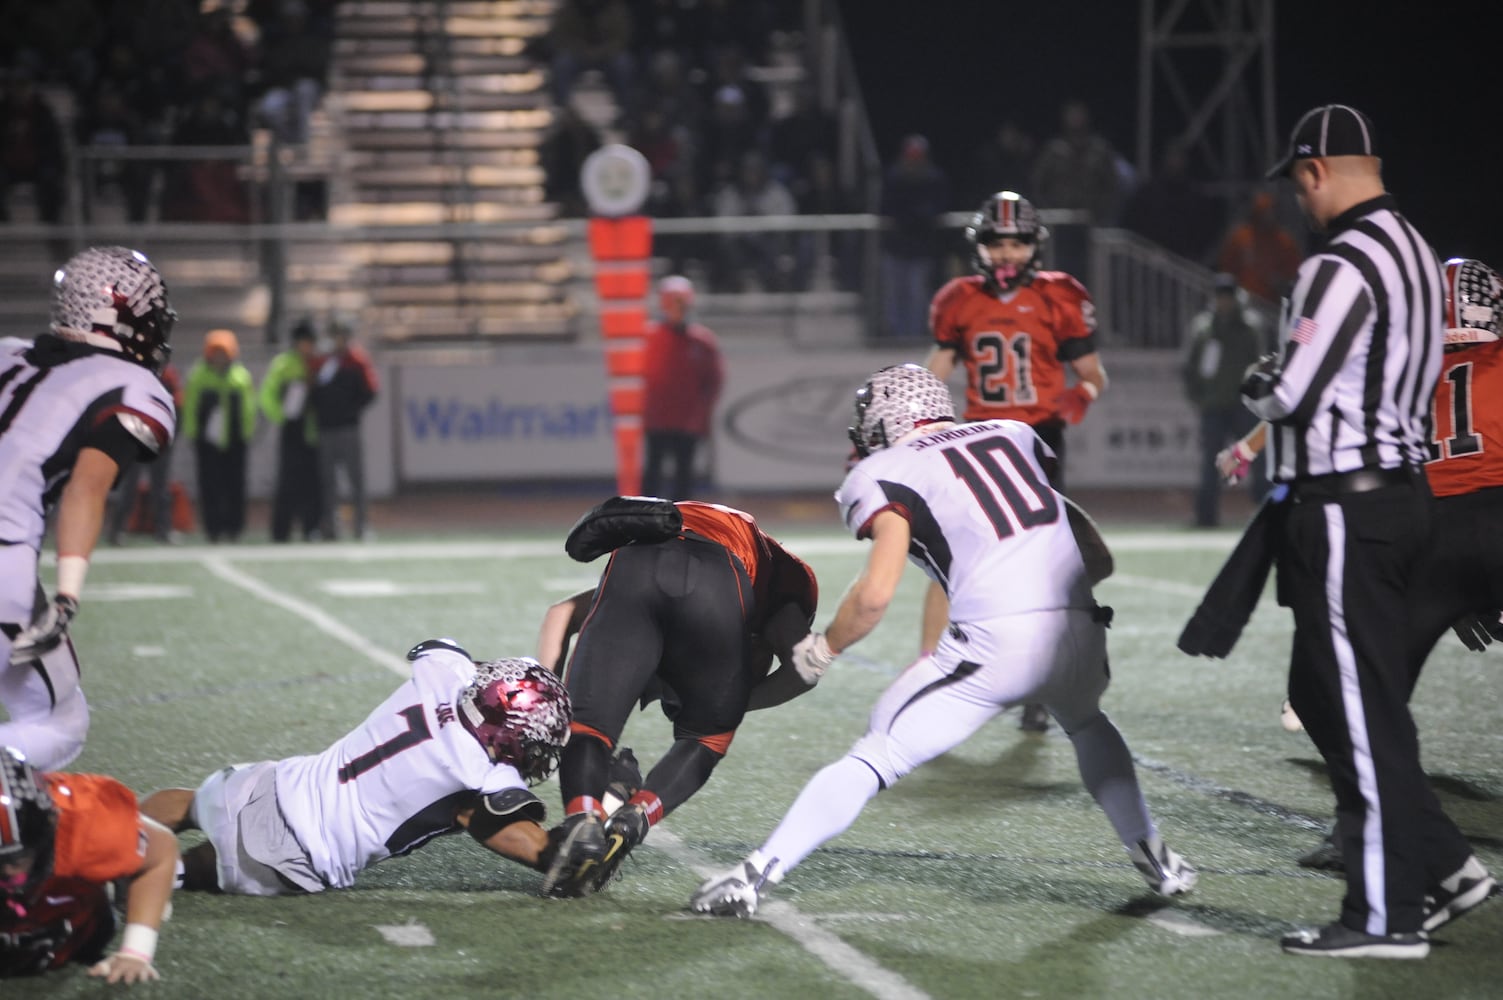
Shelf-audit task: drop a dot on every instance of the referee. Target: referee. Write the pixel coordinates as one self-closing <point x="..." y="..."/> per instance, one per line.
<point x="1347" y="398"/>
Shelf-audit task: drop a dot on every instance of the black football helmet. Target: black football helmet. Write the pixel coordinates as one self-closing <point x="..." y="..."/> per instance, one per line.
<point x="520" y="713"/>
<point x="115" y="292"/>
<point x="28" y="828"/>
<point x="1474" y="303"/>
<point x="1009" y="214"/>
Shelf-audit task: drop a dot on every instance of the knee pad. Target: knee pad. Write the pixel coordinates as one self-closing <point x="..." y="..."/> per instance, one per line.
<point x="876" y="751"/>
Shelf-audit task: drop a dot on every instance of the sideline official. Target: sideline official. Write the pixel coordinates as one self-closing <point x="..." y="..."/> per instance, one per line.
<point x="1348" y="399"/>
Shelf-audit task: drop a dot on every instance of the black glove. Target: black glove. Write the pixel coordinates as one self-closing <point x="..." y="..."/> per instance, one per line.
<point x="1479" y="631"/>
<point x="1261" y="376"/>
<point x="47" y="632"/>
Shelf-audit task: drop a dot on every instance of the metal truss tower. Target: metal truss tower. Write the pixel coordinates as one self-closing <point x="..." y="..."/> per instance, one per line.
<point x="1205" y="81"/>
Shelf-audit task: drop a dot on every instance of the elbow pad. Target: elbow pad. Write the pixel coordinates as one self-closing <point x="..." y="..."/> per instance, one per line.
<point x="498" y="810"/>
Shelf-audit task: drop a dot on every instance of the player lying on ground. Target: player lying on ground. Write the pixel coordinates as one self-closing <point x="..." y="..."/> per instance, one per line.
<point x="63" y="839"/>
<point x="972" y="506"/>
<point x="452" y="749"/>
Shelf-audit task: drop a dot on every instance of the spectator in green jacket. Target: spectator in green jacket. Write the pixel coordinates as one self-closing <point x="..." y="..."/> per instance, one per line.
<point x="1224" y="339"/>
<point x="219" y="417"/>
<point x="286" y="400"/>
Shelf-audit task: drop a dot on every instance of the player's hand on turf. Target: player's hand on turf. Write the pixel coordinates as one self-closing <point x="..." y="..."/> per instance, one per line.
<point x="47" y="632"/>
<point x="123" y="967"/>
<point x="811" y="656"/>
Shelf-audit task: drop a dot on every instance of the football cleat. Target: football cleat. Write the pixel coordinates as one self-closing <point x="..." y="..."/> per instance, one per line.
<point x="625" y="780"/>
<point x="626" y="828"/>
<point x="581" y="847"/>
<point x="1035" y="719"/>
<point x="1340" y="941"/>
<point x="737" y="892"/>
<point x="1166" y="873"/>
<point x="1458" y="895"/>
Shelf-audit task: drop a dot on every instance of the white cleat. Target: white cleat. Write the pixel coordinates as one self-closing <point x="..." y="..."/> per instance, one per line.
<point x="737" y="892"/>
<point x="1166" y="873"/>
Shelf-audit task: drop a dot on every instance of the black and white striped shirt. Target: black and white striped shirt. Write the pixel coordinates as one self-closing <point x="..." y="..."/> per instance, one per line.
<point x="1361" y="350"/>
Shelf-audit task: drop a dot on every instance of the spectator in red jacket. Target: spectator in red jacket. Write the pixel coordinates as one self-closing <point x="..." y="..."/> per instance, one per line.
<point x="683" y="376"/>
<point x="345" y="385"/>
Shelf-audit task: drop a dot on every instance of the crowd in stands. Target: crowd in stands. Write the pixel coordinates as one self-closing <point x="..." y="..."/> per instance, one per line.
<point x="156" y="72"/>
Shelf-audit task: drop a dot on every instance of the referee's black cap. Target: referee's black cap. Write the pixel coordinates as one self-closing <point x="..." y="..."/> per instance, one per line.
<point x="1329" y="130"/>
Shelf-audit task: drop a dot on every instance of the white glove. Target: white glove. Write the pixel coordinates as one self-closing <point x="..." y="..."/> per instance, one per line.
<point x="1233" y="463"/>
<point x="47" y="632"/>
<point x="811" y="655"/>
<point x="125" y="967"/>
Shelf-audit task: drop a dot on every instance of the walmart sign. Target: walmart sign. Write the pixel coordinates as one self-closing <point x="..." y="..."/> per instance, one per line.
<point x="532" y="420"/>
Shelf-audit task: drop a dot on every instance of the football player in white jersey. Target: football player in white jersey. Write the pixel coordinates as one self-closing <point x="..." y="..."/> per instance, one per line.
<point x="971" y="504"/>
<point x="452" y="749"/>
<point x="77" y="405"/>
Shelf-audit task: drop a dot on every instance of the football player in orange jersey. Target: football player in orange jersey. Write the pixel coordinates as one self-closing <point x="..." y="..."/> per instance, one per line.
<point x="1015" y="329"/>
<point x="63" y="838"/>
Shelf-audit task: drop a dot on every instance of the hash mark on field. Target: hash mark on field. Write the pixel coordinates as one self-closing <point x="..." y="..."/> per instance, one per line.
<point x="408" y="935"/>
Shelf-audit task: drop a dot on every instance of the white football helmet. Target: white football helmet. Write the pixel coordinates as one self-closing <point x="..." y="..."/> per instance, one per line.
<point x="894" y="402"/>
<point x="115" y="292"/>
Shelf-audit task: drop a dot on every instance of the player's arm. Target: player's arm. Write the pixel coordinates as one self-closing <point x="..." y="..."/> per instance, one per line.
<point x="784" y="630"/>
<point x="145" y="909"/>
<point x="509" y="823"/>
<point x="561" y="623"/>
<point x="1089" y="370"/>
<point x="941" y="361"/>
<point x="866" y="601"/>
<point x="80" y="515"/>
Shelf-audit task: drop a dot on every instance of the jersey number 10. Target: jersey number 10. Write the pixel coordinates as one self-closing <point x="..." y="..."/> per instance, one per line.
<point x="995" y="486"/>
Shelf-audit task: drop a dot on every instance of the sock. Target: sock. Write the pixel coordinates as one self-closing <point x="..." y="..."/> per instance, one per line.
<point x="826" y="808"/>
<point x="1107" y="772"/>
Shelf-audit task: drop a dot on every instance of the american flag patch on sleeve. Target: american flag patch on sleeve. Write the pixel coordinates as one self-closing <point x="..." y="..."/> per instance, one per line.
<point x="1304" y="330"/>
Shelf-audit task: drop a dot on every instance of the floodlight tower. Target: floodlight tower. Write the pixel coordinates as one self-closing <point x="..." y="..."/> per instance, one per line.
<point x="1205" y="80"/>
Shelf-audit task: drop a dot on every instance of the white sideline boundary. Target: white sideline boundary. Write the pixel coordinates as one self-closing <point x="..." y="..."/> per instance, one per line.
<point x="845" y="961"/>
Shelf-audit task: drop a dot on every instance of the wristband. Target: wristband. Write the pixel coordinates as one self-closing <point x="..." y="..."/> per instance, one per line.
<point x="139" y="942"/>
<point x="71" y="571"/>
<point x="1243" y="452"/>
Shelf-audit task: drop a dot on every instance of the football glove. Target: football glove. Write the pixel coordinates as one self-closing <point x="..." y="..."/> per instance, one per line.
<point x="811" y="656"/>
<point x="1071" y="404"/>
<point x="1259" y="379"/>
<point x="1479" y="631"/>
<point x="47" y="632"/>
<point x="1234" y="463"/>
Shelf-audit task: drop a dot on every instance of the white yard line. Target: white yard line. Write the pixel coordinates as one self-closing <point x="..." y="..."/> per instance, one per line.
<point x="841" y="958"/>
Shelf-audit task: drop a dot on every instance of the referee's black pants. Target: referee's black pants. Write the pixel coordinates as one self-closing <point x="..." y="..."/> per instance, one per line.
<point x="1344" y="566"/>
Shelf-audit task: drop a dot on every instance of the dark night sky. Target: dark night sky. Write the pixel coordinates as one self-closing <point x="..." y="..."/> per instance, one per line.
<point x="952" y="69"/>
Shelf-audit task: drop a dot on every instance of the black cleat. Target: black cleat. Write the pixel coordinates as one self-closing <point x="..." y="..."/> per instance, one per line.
<point x="1340" y="941"/>
<point x="1035" y="719"/>
<point x="626" y="828"/>
<point x="581" y="848"/>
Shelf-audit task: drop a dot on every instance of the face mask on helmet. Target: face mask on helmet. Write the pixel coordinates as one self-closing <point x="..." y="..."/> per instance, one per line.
<point x="28" y="825"/>
<point x="1005" y="214"/>
<point x="520" y="713"/>
<point x="1474" y="303"/>
<point x="896" y="401"/>
<point x="115" y="292"/>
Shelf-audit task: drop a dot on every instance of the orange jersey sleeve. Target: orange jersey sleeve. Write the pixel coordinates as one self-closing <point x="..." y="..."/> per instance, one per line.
<point x="1467" y="448"/>
<point x="100" y="836"/>
<point x="1014" y="349"/>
